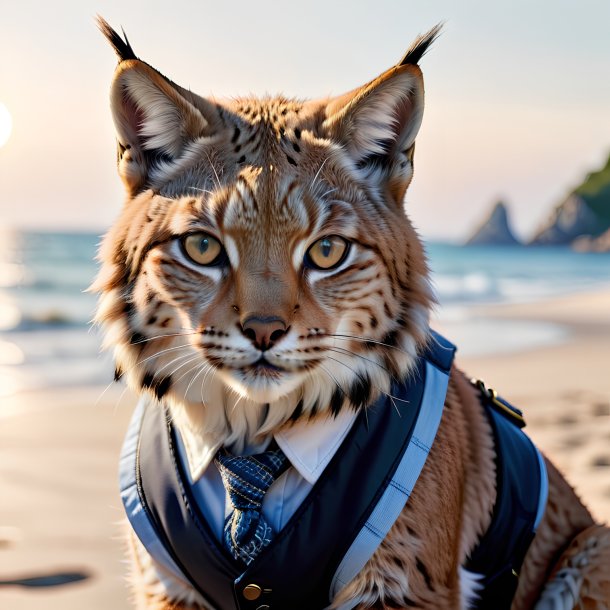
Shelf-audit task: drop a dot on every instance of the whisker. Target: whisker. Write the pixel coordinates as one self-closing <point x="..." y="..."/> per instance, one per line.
<point x="239" y="398"/>
<point x="157" y="354"/>
<point x="142" y="361"/>
<point x="202" y="367"/>
<point x="341" y="389"/>
<point x="194" y="188"/>
<point x="313" y="182"/>
<point x="146" y="339"/>
<point x="116" y="406"/>
<point x="203" y="385"/>
<point x="169" y="414"/>
<point x="213" y="169"/>
<point x="366" y="340"/>
<point x="356" y="355"/>
<point x="333" y="379"/>
<point x="186" y="358"/>
<point x="212" y="369"/>
<point x="199" y="367"/>
<point x="390" y="396"/>
<point x="194" y="359"/>
<point x="102" y="394"/>
<point x="328" y="193"/>
<point x="336" y="349"/>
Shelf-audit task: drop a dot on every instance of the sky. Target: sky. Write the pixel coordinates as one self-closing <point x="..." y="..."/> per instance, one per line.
<point x="517" y="93"/>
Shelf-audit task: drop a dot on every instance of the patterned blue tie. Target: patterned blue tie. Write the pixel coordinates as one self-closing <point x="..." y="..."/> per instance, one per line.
<point x="246" y="480"/>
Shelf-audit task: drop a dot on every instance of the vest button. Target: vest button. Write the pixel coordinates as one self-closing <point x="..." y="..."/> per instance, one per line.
<point x="252" y="592"/>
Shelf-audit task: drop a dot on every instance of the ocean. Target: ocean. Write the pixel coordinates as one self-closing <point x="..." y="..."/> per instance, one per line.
<point x="46" y="339"/>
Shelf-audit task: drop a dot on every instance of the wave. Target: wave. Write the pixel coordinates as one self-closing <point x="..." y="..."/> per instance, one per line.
<point x="468" y="287"/>
<point x="38" y="311"/>
<point x="66" y="279"/>
<point x="49" y="320"/>
<point x="480" y="287"/>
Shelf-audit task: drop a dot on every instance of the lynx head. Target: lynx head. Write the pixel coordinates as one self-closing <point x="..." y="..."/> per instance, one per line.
<point x="263" y="268"/>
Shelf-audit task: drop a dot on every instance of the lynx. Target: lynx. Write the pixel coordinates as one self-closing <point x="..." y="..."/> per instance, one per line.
<point x="264" y="282"/>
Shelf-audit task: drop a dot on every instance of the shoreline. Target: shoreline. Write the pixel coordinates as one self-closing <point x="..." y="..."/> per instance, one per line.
<point x="59" y="455"/>
<point x="562" y="308"/>
<point x="521" y="327"/>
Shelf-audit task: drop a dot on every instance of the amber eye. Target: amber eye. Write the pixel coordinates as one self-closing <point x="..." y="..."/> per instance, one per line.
<point x="327" y="252"/>
<point x="202" y="248"/>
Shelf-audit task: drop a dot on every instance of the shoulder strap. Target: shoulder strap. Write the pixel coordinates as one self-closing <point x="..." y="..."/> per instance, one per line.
<point x="403" y="481"/>
<point x="522" y="488"/>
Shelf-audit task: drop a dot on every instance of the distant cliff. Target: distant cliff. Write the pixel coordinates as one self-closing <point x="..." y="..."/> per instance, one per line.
<point x="495" y="229"/>
<point x="583" y="215"/>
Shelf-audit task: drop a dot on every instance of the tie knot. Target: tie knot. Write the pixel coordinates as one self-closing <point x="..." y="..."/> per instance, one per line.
<point x="247" y="478"/>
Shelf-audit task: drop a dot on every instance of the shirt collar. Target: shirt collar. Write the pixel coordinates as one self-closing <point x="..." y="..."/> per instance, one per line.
<point x="308" y="445"/>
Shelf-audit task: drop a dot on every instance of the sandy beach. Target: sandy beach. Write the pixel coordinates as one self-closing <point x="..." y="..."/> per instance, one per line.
<point x="564" y="390"/>
<point x="60" y="541"/>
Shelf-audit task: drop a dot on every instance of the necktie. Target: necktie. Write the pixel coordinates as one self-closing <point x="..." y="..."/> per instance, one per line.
<point x="247" y="479"/>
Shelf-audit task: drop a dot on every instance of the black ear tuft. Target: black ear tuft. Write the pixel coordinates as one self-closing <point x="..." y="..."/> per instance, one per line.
<point x="121" y="47"/>
<point x="418" y="49"/>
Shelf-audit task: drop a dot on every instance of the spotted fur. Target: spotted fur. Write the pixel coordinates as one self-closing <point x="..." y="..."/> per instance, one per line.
<point x="267" y="178"/>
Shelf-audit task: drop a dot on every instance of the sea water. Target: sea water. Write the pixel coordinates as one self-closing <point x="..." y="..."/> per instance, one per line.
<point x="46" y="339"/>
<point x="465" y="277"/>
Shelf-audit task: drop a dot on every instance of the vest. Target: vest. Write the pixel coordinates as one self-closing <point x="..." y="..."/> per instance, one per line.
<point x="347" y="513"/>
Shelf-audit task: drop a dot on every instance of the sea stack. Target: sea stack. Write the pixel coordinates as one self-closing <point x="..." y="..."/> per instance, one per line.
<point x="582" y="217"/>
<point x="495" y="229"/>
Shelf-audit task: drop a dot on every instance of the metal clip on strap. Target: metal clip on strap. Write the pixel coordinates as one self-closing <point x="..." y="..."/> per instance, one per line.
<point x="501" y="405"/>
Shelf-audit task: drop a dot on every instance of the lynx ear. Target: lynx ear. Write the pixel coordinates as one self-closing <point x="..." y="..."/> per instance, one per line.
<point x="378" y="122"/>
<point x="155" y="119"/>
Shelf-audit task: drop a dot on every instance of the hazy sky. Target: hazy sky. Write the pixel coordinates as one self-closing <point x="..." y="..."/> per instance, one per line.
<point x="518" y="93"/>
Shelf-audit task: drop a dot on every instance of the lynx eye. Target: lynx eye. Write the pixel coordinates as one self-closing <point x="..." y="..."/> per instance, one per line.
<point x="327" y="253"/>
<point x="202" y="248"/>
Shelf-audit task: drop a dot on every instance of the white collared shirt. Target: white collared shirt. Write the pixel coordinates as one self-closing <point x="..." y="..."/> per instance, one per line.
<point x="309" y="446"/>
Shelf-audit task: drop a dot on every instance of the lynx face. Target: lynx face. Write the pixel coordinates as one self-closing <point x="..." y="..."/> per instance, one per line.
<point x="263" y="268"/>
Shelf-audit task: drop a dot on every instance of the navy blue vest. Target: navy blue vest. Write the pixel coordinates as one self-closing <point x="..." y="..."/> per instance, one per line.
<point x="521" y="490"/>
<point x="338" y="526"/>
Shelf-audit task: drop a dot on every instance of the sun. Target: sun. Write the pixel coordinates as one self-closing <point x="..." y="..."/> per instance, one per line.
<point x="6" y="124"/>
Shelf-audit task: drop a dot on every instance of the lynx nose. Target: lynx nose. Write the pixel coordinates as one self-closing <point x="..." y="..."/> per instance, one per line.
<point x="263" y="331"/>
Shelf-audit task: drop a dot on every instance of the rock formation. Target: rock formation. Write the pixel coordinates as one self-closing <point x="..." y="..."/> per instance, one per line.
<point x="572" y="218"/>
<point x="585" y="212"/>
<point x="495" y="229"/>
